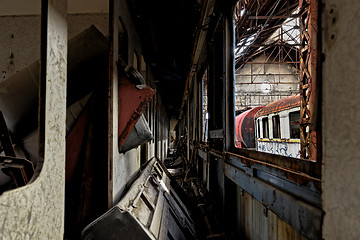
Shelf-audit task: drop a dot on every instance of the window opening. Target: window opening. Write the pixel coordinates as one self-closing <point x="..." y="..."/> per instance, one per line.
<point x="294" y="118"/>
<point x="258" y="128"/>
<point x="267" y="69"/>
<point x="205" y="115"/>
<point x="265" y="125"/>
<point x="276" y="126"/>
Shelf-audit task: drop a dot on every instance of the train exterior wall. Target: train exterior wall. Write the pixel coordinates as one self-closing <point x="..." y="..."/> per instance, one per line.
<point x="281" y="147"/>
<point x="245" y="129"/>
<point x="284" y="145"/>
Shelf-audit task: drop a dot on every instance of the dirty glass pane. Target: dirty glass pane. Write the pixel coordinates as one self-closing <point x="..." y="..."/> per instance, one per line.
<point x="294" y="125"/>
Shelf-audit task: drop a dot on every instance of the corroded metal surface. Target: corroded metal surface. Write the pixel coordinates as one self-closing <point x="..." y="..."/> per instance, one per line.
<point x="309" y="64"/>
<point x="302" y="216"/>
<point x="266" y="225"/>
<point x="280" y="105"/>
<point x="245" y="129"/>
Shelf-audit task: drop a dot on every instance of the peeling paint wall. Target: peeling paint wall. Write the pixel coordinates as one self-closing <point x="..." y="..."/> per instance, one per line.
<point x="341" y="112"/>
<point x="19" y="43"/>
<point x="20" y="38"/>
<point x="36" y="211"/>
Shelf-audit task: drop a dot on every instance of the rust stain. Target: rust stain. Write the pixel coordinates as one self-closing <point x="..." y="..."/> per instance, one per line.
<point x="280" y="105"/>
<point x="291" y="174"/>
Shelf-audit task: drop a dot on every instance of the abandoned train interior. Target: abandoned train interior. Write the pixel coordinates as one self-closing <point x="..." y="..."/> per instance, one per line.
<point x="181" y="119"/>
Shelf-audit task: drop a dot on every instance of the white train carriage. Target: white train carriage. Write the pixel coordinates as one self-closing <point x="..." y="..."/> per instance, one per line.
<point x="278" y="128"/>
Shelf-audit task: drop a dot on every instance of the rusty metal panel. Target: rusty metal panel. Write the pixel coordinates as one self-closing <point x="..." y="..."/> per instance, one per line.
<point x="299" y="185"/>
<point x="302" y="216"/>
<point x="255" y="221"/>
<point x="280" y="105"/>
<point x="132" y="102"/>
<point x="245" y="128"/>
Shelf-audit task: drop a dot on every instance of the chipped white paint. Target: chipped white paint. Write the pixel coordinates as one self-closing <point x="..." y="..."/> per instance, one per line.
<point x="36" y="211"/>
<point x="341" y="114"/>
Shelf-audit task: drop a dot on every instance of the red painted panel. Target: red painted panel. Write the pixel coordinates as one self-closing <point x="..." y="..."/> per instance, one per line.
<point x="74" y="141"/>
<point x="245" y="128"/>
<point x="132" y="102"/>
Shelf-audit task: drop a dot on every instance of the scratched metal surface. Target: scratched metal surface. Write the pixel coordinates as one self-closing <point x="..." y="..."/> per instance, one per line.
<point x="257" y="222"/>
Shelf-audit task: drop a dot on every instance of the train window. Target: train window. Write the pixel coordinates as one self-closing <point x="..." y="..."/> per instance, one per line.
<point x="294" y="125"/>
<point x="258" y="128"/>
<point x="276" y="126"/>
<point x="204" y="107"/>
<point x="265" y="125"/>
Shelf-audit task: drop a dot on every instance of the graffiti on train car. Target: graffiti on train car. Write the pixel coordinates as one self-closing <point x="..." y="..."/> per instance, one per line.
<point x="279" y="148"/>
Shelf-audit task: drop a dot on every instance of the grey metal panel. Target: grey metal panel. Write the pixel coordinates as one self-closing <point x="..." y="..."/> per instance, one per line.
<point x="254" y="221"/>
<point x="217" y="133"/>
<point x="202" y="154"/>
<point x="140" y="134"/>
<point x="115" y="224"/>
<point x="216" y="154"/>
<point x="292" y="188"/>
<point x="155" y="210"/>
<point x="277" y="178"/>
<point x="302" y="216"/>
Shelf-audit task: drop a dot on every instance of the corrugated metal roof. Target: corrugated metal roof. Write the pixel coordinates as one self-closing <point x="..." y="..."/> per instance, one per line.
<point x="280" y="105"/>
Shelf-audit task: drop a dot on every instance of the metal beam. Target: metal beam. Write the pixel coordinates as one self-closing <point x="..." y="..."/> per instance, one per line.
<point x="297" y="184"/>
<point x="274" y="17"/>
<point x="309" y="70"/>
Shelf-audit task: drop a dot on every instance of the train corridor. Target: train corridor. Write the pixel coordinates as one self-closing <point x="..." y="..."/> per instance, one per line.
<point x="181" y="119"/>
